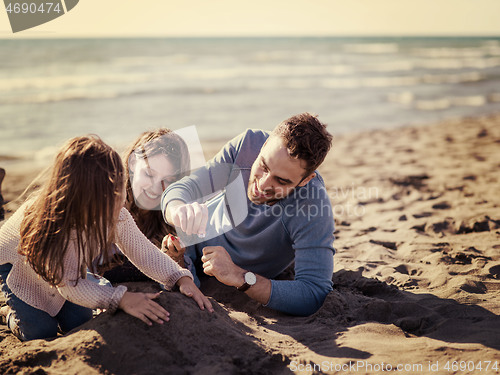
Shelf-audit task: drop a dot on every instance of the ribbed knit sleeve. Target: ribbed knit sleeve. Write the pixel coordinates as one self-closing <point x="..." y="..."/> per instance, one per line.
<point x="9" y="236"/>
<point x="146" y="256"/>
<point x="85" y="292"/>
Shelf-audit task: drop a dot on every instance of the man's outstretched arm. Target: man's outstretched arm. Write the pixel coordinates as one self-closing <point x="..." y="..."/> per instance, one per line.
<point x="313" y="281"/>
<point x="302" y="296"/>
<point x="218" y="263"/>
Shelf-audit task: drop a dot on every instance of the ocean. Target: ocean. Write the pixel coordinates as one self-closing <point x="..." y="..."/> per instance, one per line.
<point x="54" y="89"/>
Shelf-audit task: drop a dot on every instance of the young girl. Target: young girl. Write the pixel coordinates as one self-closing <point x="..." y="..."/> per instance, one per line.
<point x="155" y="160"/>
<point x="48" y="245"/>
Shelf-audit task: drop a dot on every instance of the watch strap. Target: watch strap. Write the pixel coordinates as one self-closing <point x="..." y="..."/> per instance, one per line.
<point x="244" y="287"/>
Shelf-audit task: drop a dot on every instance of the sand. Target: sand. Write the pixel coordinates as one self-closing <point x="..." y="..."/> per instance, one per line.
<point x="417" y="277"/>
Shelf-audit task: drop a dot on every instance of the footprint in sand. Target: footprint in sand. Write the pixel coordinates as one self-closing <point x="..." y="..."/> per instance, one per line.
<point x="464" y="256"/>
<point x="494" y="272"/>
<point x="473" y="286"/>
<point x="386" y="244"/>
<point x="439" y="227"/>
<point x="482" y="223"/>
<point x="415" y="181"/>
<point x="483" y="133"/>
<point x="421" y="215"/>
<point x="441" y="206"/>
<point x="406" y="269"/>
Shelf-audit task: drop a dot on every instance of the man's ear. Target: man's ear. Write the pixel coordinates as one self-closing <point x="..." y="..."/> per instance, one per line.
<point x="307" y="179"/>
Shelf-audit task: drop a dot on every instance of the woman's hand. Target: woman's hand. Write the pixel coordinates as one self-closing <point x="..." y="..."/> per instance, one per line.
<point x="173" y="248"/>
<point x="142" y="306"/>
<point x="188" y="288"/>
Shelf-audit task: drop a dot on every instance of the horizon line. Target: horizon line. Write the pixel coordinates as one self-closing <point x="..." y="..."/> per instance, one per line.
<point x="48" y="35"/>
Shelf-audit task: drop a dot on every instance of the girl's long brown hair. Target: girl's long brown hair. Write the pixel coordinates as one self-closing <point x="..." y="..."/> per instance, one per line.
<point x="79" y="202"/>
<point x="165" y="142"/>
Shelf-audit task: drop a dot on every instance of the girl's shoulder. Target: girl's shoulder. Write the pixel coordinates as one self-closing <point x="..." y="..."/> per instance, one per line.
<point x="124" y="215"/>
<point x="18" y="215"/>
<point x="126" y="222"/>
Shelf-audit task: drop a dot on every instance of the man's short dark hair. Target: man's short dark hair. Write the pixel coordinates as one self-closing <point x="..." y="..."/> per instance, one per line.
<point x="306" y="138"/>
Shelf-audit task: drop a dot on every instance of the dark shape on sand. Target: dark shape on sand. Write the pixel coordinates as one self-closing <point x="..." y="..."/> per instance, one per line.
<point x="416" y="181"/>
<point x="387" y="244"/>
<point x="441" y="206"/>
<point x="480" y="224"/>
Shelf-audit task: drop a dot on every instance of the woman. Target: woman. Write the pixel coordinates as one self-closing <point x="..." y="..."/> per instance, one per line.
<point x="155" y="160"/>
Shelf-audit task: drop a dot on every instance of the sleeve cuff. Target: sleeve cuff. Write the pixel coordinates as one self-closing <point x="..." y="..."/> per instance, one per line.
<point x="270" y="295"/>
<point x="116" y="298"/>
<point x="169" y="284"/>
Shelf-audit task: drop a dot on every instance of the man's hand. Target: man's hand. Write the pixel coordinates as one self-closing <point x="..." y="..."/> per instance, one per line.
<point x="173" y="248"/>
<point x="218" y="263"/>
<point x="188" y="288"/>
<point x="191" y="218"/>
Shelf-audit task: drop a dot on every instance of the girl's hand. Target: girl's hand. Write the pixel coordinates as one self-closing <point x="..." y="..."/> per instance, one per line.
<point x="173" y="248"/>
<point x="142" y="306"/>
<point x="188" y="288"/>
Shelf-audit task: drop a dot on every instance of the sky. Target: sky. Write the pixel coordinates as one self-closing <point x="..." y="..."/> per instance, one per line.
<point x="119" y="18"/>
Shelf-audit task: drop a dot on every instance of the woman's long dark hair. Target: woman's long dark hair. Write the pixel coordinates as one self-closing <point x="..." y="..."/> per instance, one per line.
<point x="78" y="202"/>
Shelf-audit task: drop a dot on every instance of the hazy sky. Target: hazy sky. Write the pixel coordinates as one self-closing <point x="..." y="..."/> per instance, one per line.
<point x="270" y="17"/>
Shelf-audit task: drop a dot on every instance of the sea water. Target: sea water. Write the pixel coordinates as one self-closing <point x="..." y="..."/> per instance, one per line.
<point x="54" y="89"/>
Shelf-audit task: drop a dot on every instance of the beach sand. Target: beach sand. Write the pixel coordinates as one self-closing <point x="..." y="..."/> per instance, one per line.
<point x="416" y="282"/>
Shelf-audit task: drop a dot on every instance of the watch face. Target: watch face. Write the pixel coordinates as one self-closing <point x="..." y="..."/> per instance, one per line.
<point x="250" y="278"/>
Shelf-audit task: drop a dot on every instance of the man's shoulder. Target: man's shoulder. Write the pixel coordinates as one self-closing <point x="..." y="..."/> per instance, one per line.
<point x="253" y="137"/>
<point x="246" y="146"/>
<point x="314" y="190"/>
<point x="307" y="214"/>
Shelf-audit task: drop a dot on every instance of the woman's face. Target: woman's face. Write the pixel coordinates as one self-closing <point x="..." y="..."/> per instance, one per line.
<point x="149" y="177"/>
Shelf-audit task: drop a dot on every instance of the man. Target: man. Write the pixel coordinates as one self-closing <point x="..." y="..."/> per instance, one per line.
<point x="288" y="216"/>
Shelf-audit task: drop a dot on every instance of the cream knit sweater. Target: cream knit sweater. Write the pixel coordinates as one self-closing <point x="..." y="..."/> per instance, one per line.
<point x="32" y="289"/>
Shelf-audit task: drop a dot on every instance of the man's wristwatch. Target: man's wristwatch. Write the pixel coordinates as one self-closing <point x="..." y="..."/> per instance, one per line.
<point x="250" y="279"/>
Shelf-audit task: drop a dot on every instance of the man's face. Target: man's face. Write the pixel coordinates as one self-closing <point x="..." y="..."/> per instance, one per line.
<point x="275" y="174"/>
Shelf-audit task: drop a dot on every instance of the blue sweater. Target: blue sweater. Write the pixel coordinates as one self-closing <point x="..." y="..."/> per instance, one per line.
<point x="261" y="238"/>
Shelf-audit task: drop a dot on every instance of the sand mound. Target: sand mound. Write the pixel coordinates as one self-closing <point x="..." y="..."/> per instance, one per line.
<point x="243" y="337"/>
